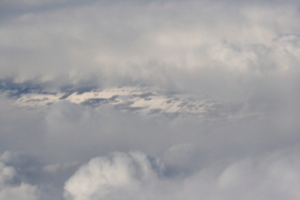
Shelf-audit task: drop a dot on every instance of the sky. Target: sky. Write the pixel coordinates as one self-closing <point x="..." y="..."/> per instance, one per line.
<point x="244" y="52"/>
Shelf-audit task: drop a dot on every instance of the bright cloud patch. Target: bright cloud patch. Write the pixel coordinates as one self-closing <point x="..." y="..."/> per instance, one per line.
<point x="119" y="176"/>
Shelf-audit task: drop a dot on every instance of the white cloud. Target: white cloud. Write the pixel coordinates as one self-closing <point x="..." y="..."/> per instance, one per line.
<point x="119" y="176"/>
<point x="272" y="176"/>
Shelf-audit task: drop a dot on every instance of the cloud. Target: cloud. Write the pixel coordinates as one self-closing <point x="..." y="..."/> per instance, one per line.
<point x="10" y="185"/>
<point x="164" y="43"/>
<point x="118" y="176"/>
<point x="232" y="51"/>
<point x="245" y="52"/>
<point x="182" y="160"/>
<point x="68" y="132"/>
<point x="125" y="176"/>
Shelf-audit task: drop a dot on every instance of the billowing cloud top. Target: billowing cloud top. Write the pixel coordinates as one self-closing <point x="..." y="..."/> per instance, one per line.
<point x="118" y="176"/>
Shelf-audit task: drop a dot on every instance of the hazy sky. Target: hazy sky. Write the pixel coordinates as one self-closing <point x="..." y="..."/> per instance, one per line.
<point x="245" y="52"/>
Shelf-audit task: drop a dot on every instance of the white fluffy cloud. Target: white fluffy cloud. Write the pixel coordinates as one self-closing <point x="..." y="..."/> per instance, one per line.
<point x="119" y="176"/>
<point x="273" y="176"/>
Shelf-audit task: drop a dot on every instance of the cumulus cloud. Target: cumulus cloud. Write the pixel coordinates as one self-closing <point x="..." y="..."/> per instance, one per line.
<point x="136" y="175"/>
<point x="119" y="176"/>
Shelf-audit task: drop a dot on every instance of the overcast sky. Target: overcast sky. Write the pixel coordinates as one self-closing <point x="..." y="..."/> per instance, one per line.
<point x="245" y="52"/>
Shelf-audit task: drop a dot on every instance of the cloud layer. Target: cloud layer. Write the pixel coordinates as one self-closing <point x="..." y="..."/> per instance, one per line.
<point x="245" y="52"/>
<point x="166" y="43"/>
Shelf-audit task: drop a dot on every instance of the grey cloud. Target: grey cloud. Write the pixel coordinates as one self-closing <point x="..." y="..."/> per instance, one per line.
<point x="235" y="51"/>
<point x="176" y="45"/>
<point x="182" y="160"/>
<point x="137" y="39"/>
<point x="68" y="133"/>
<point x="10" y="188"/>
